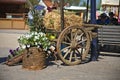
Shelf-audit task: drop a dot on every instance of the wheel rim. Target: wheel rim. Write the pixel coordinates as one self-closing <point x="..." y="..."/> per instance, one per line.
<point x="73" y="45"/>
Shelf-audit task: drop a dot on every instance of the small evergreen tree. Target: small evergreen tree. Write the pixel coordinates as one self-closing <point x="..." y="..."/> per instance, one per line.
<point x="37" y="23"/>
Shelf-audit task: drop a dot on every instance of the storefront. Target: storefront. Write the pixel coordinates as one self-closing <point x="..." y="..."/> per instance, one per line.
<point x="12" y="14"/>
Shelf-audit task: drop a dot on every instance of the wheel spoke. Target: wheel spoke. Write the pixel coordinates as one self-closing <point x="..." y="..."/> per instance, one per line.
<point x="80" y="53"/>
<point x="67" y="37"/>
<point x="75" y="37"/>
<point x="81" y="35"/>
<point x="82" y="41"/>
<point x="75" y="55"/>
<point x="65" y="48"/>
<point x="70" y="58"/>
<point x="71" y="35"/>
<point x="65" y="43"/>
<point x="82" y="50"/>
<point x="83" y="47"/>
<point x="73" y="45"/>
<point x="66" y="53"/>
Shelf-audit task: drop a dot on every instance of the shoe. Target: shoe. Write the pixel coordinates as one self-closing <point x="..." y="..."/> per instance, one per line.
<point x="93" y="60"/>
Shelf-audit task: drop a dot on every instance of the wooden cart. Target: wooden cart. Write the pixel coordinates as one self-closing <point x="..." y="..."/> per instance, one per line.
<point x="73" y="42"/>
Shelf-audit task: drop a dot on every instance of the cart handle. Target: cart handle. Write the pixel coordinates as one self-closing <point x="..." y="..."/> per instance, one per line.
<point x="92" y="25"/>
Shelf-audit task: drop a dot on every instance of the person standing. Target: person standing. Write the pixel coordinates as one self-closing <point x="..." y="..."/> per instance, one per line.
<point x="30" y="17"/>
<point x="103" y="19"/>
<point x="113" y="20"/>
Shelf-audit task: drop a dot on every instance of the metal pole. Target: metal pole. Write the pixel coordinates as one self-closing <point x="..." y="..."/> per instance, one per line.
<point x="94" y="43"/>
<point x="93" y="11"/>
<point x="87" y="10"/>
<point x="62" y="14"/>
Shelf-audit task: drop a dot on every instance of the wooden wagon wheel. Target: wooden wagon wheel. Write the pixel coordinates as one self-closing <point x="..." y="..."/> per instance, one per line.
<point x="73" y="45"/>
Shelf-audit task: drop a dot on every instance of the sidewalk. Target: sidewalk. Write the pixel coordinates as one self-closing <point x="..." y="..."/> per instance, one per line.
<point x="8" y="40"/>
<point x="107" y="68"/>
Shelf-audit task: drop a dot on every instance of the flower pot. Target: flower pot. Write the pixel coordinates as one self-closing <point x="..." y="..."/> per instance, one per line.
<point x="15" y="60"/>
<point x="34" y="59"/>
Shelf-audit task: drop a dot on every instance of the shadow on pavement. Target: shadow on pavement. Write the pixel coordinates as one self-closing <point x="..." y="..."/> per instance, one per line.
<point x="110" y="48"/>
<point x="3" y="59"/>
<point x="110" y="54"/>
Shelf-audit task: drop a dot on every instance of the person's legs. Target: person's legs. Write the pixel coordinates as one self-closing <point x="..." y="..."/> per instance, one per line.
<point x="94" y="50"/>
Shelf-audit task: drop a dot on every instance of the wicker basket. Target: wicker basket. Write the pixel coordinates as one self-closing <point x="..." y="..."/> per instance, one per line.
<point x="15" y="60"/>
<point x="34" y="59"/>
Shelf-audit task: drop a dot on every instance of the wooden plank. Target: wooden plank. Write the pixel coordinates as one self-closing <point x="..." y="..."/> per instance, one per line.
<point x="109" y="43"/>
<point x="110" y="39"/>
<point x="109" y="36"/>
<point x="111" y="26"/>
<point x="92" y="25"/>
<point x="12" y="23"/>
<point x="109" y="30"/>
<point x="5" y="24"/>
<point x="18" y="24"/>
<point x="108" y="33"/>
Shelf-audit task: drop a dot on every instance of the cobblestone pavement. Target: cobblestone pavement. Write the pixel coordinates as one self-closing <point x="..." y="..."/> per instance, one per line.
<point x="107" y="68"/>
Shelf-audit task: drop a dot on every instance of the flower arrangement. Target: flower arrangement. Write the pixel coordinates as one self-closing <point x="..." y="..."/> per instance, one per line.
<point x="33" y="43"/>
<point x="34" y="39"/>
<point x="14" y="52"/>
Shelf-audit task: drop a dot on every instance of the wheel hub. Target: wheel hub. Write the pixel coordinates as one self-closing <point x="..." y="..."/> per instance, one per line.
<point x="73" y="44"/>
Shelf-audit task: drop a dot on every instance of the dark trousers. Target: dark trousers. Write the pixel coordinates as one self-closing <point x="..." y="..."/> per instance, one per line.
<point x="94" y="50"/>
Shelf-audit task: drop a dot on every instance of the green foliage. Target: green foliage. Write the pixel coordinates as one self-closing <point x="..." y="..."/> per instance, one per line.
<point x="37" y="24"/>
<point x="34" y="39"/>
<point x="33" y="2"/>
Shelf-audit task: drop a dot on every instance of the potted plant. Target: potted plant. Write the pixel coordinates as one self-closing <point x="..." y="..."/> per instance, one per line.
<point x="35" y="42"/>
<point x="35" y="45"/>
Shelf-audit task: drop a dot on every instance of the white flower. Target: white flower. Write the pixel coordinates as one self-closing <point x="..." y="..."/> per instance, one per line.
<point x="43" y="38"/>
<point x="28" y="46"/>
<point x="36" y="37"/>
<point x="32" y="33"/>
<point x="38" y="46"/>
<point x="35" y="33"/>
<point x="28" y="36"/>
<point x="41" y="34"/>
<point x="52" y="48"/>
<point x="23" y="46"/>
<point x="36" y="43"/>
<point x="19" y="37"/>
<point x="46" y="38"/>
<point x="45" y="49"/>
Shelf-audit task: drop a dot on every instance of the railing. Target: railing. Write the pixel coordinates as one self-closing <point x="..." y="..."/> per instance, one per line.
<point x="109" y="35"/>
